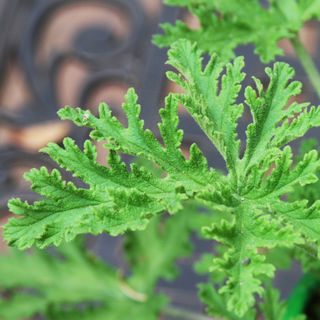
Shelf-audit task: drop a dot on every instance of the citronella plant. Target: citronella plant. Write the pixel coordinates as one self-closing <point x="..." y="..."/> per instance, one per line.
<point x="227" y="24"/>
<point x="250" y="212"/>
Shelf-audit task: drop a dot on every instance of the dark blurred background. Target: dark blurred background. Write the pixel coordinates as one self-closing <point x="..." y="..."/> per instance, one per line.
<point x="80" y="53"/>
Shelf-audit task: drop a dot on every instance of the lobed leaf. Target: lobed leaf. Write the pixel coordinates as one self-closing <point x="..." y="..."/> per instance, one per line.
<point x="161" y="236"/>
<point x="211" y="102"/>
<point x="225" y="25"/>
<point x="253" y="203"/>
<point x="68" y="211"/>
<point x="55" y="285"/>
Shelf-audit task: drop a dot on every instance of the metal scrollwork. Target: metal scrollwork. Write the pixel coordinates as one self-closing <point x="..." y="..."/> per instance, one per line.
<point x="70" y="52"/>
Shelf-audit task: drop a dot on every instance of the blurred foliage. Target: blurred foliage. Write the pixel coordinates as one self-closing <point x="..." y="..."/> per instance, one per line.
<point x="227" y="24"/>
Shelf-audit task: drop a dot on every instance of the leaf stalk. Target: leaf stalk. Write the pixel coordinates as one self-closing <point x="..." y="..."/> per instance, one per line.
<point x="308" y="64"/>
<point x="184" y="314"/>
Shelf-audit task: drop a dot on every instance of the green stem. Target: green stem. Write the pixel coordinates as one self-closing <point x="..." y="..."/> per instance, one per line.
<point x="309" y="66"/>
<point x="183" y="314"/>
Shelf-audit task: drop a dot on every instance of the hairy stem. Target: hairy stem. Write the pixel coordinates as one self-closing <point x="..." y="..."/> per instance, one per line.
<point x="309" y="66"/>
<point x="184" y="314"/>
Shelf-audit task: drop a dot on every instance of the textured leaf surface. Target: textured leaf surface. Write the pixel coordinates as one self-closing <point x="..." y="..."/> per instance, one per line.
<point x="252" y="203"/>
<point x="241" y="262"/>
<point x="307" y="254"/>
<point x="117" y="199"/>
<point x="252" y="194"/>
<point x="210" y="100"/>
<point x="68" y="211"/>
<point x="216" y="305"/>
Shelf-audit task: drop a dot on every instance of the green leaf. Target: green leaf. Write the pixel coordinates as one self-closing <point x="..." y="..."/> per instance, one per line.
<point x="117" y="310"/>
<point x="304" y="218"/>
<point x="274" y="309"/>
<point x="284" y="176"/>
<point x="134" y="140"/>
<point x="241" y="263"/>
<point x="297" y="126"/>
<point x="228" y="24"/>
<point x="311" y="191"/>
<point x="68" y="211"/>
<point x="271" y="307"/>
<point x="308" y="253"/>
<point x="268" y="110"/>
<point x="250" y="209"/>
<point x="159" y="237"/>
<point x="216" y="304"/>
<point x="45" y="283"/>
<point x="117" y="200"/>
<point x="21" y="306"/>
<point x="210" y="100"/>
